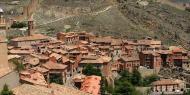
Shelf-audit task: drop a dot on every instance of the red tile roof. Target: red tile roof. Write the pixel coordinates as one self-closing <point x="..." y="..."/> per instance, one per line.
<point x="96" y="61"/>
<point x="116" y="42"/>
<point x="127" y="59"/>
<point x="54" y="66"/>
<point x="30" y="38"/>
<point x="149" y="42"/>
<point x="57" y="56"/>
<point x="39" y="69"/>
<point x="65" y="59"/>
<point x="91" y="85"/>
<point x="53" y="89"/>
<point x="32" y="61"/>
<point x="40" y="56"/>
<point x="165" y="82"/>
<point x="13" y="51"/>
<point x="35" y="78"/>
<point x="154" y="53"/>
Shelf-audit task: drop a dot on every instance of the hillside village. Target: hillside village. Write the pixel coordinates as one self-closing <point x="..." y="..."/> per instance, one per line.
<point x="85" y="63"/>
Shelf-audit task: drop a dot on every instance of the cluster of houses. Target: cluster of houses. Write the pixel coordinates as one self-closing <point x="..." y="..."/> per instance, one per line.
<point x="66" y="56"/>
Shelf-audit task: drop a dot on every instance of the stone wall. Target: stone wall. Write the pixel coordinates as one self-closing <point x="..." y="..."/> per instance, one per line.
<point x="11" y="79"/>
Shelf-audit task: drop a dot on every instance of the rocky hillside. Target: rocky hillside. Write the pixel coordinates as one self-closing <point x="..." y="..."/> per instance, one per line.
<point x="120" y="18"/>
<point x="166" y="23"/>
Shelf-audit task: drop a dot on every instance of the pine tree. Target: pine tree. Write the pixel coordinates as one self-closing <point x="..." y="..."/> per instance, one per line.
<point x="6" y="90"/>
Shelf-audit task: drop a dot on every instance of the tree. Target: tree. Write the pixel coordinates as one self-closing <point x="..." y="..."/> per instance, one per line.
<point x="188" y="92"/>
<point x="19" y="65"/>
<point x="125" y="75"/>
<point x="125" y="88"/>
<point x="18" y="25"/>
<point x="149" y="79"/>
<point x="136" y="77"/>
<point x="105" y="88"/>
<point x="6" y="91"/>
<point x="90" y="70"/>
<point x="56" y="78"/>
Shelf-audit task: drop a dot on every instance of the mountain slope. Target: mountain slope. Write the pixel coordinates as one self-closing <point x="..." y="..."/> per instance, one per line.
<point x="166" y="22"/>
<point x="125" y="18"/>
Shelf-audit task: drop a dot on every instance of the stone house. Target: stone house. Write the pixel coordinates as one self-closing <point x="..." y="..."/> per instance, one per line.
<point x="57" y="69"/>
<point x="129" y="63"/>
<point x="168" y="87"/>
<point x="150" y="59"/>
<point x="28" y="40"/>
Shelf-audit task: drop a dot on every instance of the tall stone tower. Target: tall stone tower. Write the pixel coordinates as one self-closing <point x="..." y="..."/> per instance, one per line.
<point x="30" y="27"/>
<point x="3" y="51"/>
<point x="3" y="45"/>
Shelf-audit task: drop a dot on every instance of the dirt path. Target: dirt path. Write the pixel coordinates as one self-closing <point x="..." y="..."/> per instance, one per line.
<point x="66" y="17"/>
<point x="178" y="6"/>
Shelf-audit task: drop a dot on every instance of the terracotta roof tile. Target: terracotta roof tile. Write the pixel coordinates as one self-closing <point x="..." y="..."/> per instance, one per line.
<point x="127" y="59"/>
<point x="165" y="82"/>
<point x="54" y="66"/>
<point x="116" y="42"/>
<point x="105" y="58"/>
<point x="40" y="56"/>
<point x="154" y="53"/>
<point x="60" y="51"/>
<point x="30" y="38"/>
<point x="39" y="69"/>
<point x="96" y="61"/>
<point x="13" y="56"/>
<point x="35" y="78"/>
<point x="54" y="89"/>
<point x="57" y="56"/>
<point x="13" y="51"/>
<point x="89" y="57"/>
<point x="65" y="59"/>
<point x="32" y="61"/>
<point x="91" y="85"/>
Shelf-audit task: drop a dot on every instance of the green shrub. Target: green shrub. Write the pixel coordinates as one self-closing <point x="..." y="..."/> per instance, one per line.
<point x="6" y="91"/>
<point x="18" y="25"/>
<point x="19" y="65"/>
<point x="149" y="79"/>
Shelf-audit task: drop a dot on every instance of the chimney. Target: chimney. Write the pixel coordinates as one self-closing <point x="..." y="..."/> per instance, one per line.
<point x="30" y="27"/>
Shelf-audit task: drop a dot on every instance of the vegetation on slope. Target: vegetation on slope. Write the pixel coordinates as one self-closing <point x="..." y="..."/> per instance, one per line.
<point x="125" y="19"/>
<point x="167" y="23"/>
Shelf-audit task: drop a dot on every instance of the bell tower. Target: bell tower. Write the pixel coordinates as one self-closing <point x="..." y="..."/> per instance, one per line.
<point x="30" y="27"/>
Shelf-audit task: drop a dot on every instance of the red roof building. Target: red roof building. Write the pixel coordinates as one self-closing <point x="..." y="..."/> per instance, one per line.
<point x="150" y="59"/>
<point x="91" y="85"/>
